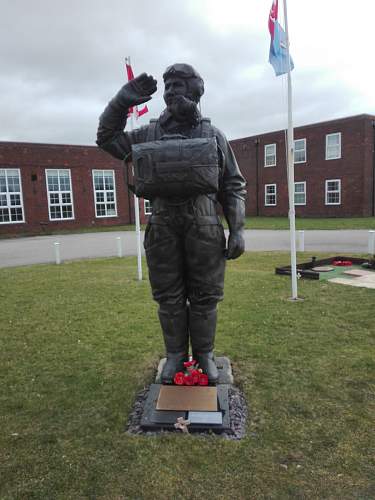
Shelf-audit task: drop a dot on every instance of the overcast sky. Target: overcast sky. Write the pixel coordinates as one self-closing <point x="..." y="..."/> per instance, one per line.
<point x="62" y="60"/>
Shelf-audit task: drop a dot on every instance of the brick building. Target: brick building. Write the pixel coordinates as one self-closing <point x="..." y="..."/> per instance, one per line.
<point x="47" y="187"/>
<point x="334" y="169"/>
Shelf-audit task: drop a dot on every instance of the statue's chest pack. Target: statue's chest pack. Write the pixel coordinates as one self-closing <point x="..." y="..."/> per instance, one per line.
<point x="176" y="166"/>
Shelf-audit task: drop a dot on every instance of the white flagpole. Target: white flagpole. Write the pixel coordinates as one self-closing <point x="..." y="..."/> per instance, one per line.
<point x="137" y="225"/>
<point x="136" y="209"/>
<point x="292" y="219"/>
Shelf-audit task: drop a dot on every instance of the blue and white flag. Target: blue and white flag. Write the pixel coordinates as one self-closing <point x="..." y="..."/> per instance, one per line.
<point x="278" y="49"/>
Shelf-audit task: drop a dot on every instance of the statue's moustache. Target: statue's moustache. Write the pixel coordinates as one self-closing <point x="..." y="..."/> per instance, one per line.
<point x="183" y="108"/>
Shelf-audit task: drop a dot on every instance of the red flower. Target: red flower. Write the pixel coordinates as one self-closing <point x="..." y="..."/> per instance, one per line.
<point x="203" y="379"/>
<point x="342" y="263"/>
<point x="188" y="380"/>
<point x="179" y="378"/>
<point x="195" y="374"/>
<point x="189" y="363"/>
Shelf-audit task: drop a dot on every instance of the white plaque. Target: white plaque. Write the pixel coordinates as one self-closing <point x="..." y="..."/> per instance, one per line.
<point x="205" y="417"/>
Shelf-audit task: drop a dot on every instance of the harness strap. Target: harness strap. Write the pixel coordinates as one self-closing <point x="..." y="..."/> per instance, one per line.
<point x="151" y="131"/>
<point x="202" y="220"/>
<point x="206" y="129"/>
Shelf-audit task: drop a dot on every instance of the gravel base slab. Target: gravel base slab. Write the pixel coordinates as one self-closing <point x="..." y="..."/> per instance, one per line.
<point x="237" y="409"/>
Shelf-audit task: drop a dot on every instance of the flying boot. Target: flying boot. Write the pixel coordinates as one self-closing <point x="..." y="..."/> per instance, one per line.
<point x="202" y="327"/>
<point x="176" y="338"/>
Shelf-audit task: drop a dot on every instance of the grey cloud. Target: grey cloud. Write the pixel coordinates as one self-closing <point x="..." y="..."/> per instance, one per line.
<point x="62" y="61"/>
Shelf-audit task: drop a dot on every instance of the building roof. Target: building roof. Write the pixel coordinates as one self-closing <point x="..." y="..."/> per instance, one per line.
<point x="310" y="125"/>
<point x="44" y="155"/>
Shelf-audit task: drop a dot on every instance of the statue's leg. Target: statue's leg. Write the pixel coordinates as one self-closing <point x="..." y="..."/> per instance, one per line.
<point x="202" y="324"/>
<point x="173" y="322"/>
<point x="164" y="253"/>
<point x="204" y="246"/>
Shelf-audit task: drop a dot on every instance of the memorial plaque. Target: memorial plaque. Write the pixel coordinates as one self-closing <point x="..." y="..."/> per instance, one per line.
<point x="205" y="417"/>
<point x="188" y="398"/>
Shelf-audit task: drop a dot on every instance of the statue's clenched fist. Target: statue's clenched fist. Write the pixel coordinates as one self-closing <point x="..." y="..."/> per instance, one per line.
<point x="139" y="90"/>
<point x="236" y="245"/>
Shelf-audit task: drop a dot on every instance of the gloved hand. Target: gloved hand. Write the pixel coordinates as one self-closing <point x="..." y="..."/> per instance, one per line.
<point x="234" y="211"/>
<point x="236" y="245"/>
<point x="138" y="90"/>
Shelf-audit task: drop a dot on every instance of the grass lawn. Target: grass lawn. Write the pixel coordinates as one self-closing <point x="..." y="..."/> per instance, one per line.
<point x="310" y="223"/>
<point x="78" y="341"/>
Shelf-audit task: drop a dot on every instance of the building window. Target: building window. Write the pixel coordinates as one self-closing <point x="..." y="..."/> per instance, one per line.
<point x="11" y="204"/>
<point x="60" y="198"/>
<point x="270" y="195"/>
<point x="148" y="207"/>
<point x="300" y="193"/>
<point x="300" y="151"/>
<point x="333" y="192"/>
<point x="333" y="146"/>
<point x="105" y="193"/>
<point x="270" y="155"/>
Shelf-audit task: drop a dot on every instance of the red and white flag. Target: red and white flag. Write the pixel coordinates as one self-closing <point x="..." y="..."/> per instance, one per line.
<point x="137" y="112"/>
<point x="272" y="18"/>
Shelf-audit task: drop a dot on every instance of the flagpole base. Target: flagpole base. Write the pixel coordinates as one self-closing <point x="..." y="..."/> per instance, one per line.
<point x="296" y="299"/>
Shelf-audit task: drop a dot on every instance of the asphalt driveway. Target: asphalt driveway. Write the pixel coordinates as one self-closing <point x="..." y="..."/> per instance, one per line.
<point x="41" y="249"/>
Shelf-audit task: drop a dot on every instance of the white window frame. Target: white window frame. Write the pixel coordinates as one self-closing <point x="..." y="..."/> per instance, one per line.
<point x="328" y="157"/>
<point x="333" y="191"/>
<point x="8" y="193"/>
<point x="266" y="204"/>
<point x="299" y="150"/>
<point x="304" y="192"/>
<point x="104" y="191"/>
<point x="59" y="193"/>
<point x="266" y="155"/>
<point x="147" y="207"/>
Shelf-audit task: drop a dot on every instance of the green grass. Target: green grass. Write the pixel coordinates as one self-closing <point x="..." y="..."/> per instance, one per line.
<point x="310" y="223"/>
<point x="78" y="341"/>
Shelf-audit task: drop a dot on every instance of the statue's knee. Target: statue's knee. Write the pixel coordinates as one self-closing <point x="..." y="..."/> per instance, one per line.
<point x="172" y="309"/>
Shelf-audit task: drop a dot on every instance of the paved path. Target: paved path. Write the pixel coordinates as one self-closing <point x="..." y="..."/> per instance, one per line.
<point x="40" y="249"/>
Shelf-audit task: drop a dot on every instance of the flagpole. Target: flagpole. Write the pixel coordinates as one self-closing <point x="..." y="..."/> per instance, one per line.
<point x="292" y="219"/>
<point x="136" y="209"/>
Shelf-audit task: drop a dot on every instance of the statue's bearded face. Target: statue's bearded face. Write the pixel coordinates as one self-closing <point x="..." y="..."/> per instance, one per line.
<point x="179" y="101"/>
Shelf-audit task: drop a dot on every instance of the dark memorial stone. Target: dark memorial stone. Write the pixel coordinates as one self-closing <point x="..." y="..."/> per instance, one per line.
<point x="144" y="419"/>
<point x="153" y="419"/>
